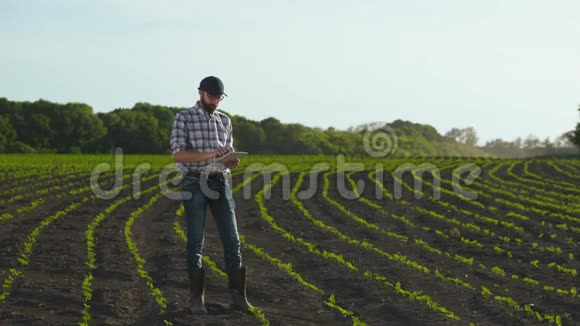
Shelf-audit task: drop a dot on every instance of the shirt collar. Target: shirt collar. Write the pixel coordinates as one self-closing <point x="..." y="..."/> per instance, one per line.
<point x="200" y="108"/>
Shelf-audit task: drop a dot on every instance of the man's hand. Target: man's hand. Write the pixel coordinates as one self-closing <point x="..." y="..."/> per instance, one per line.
<point x="221" y="151"/>
<point x="233" y="163"/>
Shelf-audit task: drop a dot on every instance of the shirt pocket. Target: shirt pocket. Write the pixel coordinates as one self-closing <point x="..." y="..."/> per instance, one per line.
<point x="222" y="133"/>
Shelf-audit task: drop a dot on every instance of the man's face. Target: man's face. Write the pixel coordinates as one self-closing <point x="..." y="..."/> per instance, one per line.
<point x="209" y="102"/>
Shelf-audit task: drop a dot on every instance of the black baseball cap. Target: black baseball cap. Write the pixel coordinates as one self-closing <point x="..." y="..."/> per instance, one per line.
<point x="212" y="85"/>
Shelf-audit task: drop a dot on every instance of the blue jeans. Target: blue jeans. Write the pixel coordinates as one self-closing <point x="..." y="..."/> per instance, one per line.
<point x="217" y="194"/>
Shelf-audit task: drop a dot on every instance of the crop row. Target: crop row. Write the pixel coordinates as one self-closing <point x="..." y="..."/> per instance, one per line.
<point x="329" y="255"/>
<point x="65" y="191"/>
<point x="487" y="232"/>
<point x="91" y="243"/>
<point x="418" y="241"/>
<point x="470" y="261"/>
<point x="31" y="239"/>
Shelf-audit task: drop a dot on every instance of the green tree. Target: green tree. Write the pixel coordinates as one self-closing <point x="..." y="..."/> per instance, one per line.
<point x="145" y="128"/>
<point x="275" y="141"/>
<point x="133" y="131"/>
<point x="7" y="134"/>
<point x="575" y="134"/>
<point x="531" y="142"/>
<point x="77" y="128"/>
<point x="248" y="135"/>
<point x="466" y="136"/>
<point x="164" y="116"/>
<point x="37" y="131"/>
<point x="316" y="142"/>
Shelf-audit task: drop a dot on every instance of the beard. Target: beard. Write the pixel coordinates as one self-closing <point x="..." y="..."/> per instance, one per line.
<point x="208" y="106"/>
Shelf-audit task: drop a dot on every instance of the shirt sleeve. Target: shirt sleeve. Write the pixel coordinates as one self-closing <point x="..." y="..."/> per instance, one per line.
<point x="178" y="138"/>
<point x="230" y="138"/>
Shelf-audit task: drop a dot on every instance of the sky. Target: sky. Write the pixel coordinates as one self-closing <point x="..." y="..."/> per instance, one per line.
<point x="507" y="68"/>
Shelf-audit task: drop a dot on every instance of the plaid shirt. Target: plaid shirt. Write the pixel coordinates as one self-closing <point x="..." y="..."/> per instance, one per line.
<point x="196" y="130"/>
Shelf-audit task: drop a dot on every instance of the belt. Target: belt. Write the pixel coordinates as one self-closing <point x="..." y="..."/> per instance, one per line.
<point x="212" y="175"/>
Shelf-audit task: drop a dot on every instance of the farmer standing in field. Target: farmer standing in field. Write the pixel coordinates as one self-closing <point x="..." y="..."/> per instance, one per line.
<point x="199" y="136"/>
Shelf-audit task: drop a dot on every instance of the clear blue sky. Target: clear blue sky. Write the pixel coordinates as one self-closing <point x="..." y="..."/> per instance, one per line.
<point x="507" y="68"/>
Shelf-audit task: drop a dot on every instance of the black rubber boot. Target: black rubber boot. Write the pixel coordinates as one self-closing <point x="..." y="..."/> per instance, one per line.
<point x="237" y="286"/>
<point x="197" y="288"/>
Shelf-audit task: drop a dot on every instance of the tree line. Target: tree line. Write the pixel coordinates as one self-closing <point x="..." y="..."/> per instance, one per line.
<point x="47" y="127"/>
<point x="531" y="146"/>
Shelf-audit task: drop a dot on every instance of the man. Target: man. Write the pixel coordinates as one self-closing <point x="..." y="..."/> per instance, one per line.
<point x="199" y="136"/>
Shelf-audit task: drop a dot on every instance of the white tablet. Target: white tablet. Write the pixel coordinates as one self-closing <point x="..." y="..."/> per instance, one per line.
<point x="231" y="156"/>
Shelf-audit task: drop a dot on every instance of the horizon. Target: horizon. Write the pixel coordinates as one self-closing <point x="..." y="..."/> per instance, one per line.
<point x="389" y="61"/>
